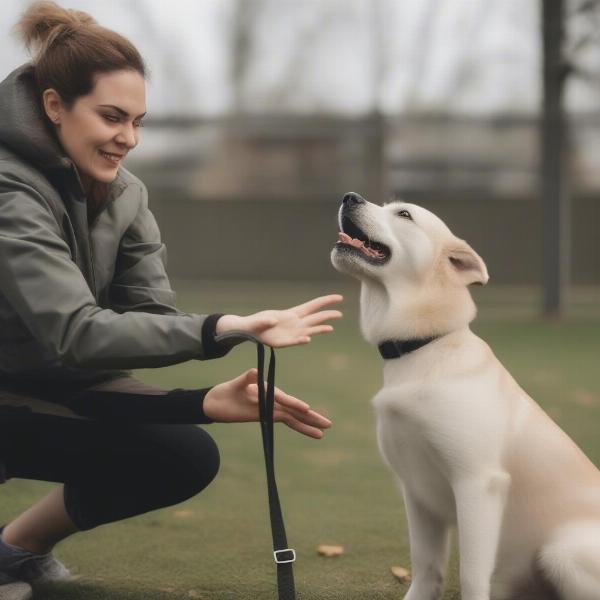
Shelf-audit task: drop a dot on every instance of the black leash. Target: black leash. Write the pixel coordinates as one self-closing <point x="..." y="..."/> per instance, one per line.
<point x="284" y="556"/>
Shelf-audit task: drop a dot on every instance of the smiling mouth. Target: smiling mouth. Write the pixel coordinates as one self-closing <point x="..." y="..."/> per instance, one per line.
<point x="353" y="239"/>
<point x="112" y="158"/>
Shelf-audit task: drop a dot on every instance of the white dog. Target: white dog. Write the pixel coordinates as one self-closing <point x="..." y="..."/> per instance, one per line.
<point x="468" y="445"/>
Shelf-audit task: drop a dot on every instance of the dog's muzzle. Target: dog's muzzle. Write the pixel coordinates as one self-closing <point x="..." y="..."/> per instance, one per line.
<point x="352" y="238"/>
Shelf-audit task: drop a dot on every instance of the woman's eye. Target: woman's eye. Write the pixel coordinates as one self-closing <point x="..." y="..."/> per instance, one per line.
<point x="111" y="118"/>
<point x="404" y="213"/>
<point x="139" y="123"/>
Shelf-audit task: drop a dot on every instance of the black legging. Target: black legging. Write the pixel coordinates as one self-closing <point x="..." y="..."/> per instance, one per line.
<point x="111" y="470"/>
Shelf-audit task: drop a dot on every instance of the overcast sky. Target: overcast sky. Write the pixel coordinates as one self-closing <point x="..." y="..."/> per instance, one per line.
<point x="329" y="56"/>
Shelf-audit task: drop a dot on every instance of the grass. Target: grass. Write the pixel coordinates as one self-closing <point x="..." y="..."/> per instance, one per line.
<point x="336" y="490"/>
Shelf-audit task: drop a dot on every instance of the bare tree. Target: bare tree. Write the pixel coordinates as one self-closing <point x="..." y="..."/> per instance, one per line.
<point x="561" y="62"/>
<point x="555" y="200"/>
<point x="244" y="15"/>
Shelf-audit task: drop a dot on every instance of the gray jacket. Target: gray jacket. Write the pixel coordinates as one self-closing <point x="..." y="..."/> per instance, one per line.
<point x="77" y="299"/>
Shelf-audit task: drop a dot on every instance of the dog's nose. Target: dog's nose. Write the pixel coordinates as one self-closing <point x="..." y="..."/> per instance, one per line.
<point x="351" y="199"/>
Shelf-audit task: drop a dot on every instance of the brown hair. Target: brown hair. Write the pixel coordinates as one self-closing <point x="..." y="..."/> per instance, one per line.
<point x="70" y="48"/>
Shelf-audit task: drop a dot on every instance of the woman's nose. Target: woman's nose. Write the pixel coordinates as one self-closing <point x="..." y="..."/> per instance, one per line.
<point x="128" y="136"/>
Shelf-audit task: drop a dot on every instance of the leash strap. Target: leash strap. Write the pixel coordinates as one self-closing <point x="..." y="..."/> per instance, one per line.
<point x="284" y="556"/>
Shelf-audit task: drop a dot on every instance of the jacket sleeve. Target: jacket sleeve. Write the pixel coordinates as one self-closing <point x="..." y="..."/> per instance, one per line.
<point x="140" y="282"/>
<point x="49" y="293"/>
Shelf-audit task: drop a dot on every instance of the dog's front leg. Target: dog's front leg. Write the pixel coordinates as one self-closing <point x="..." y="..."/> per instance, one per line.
<point x="480" y="502"/>
<point x="429" y="550"/>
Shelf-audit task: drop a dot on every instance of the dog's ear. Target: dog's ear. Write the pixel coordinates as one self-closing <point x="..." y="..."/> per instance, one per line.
<point x="467" y="264"/>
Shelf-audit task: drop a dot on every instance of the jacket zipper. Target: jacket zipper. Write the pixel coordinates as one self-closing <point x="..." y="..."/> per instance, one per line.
<point x="88" y="225"/>
<point x="95" y="291"/>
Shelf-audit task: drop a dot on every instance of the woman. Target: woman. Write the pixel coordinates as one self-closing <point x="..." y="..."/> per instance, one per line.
<point x="84" y="296"/>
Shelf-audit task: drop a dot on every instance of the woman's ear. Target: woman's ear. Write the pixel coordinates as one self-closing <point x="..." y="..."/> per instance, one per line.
<point x="53" y="105"/>
<point x="467" y="264"/>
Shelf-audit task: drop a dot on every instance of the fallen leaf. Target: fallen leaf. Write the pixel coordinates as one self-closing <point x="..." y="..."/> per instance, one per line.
<point x="401" y="574"/>
<point x="183" y="514"/>
<point x="330" y="551"/>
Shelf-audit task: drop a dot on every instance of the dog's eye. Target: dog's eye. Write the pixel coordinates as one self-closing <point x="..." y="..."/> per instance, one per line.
<point x="405" y="214"/>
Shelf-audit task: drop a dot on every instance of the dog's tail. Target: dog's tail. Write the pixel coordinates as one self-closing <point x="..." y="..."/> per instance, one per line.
<point x="571" y="561"/>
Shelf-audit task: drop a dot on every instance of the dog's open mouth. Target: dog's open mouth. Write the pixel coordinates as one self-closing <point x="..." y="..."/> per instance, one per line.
<point x="355" y="238"/>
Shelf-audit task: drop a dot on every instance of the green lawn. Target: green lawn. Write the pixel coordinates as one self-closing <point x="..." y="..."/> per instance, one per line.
<point x="336" y="491"/>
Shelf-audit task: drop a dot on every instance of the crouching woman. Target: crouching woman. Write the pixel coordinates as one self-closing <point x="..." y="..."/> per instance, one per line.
<point x="84" y="297"/>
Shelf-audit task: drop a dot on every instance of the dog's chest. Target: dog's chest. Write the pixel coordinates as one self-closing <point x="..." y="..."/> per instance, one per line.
<point x="407" y="446"/>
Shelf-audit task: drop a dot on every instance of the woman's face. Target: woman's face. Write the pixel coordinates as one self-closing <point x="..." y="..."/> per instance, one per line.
<point x="99" y="129"/>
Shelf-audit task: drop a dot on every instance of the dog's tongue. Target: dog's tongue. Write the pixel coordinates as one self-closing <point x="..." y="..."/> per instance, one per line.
<point x="346" y="239"/>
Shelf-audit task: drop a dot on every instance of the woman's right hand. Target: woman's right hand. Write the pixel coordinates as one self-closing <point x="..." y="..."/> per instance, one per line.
<point x="236" y="401"/>
<point x="282" y="328"/>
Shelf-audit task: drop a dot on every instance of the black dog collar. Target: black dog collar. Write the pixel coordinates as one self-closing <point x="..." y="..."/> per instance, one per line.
<point x="397" y="348"/>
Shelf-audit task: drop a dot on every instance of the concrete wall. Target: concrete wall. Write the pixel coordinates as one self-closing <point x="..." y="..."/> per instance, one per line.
<point x="292" y="239"/>
<point x="258" y="197"/>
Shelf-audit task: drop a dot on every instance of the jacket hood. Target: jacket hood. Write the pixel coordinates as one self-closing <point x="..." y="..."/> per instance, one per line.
<point x="23" y="129"/>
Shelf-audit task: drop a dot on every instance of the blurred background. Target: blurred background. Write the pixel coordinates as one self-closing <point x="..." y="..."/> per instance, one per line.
<point x="262" y="113"/>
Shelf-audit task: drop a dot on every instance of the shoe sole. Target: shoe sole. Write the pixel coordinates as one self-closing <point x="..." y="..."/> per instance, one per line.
<point x="19" y="590"/>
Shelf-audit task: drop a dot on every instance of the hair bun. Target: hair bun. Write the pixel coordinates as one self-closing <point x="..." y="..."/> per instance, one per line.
<point x="45" y="22"/>
<point x="70" y="48"/>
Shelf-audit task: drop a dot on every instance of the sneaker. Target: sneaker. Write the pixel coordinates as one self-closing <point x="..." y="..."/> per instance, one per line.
<point x="18" y="590"/>
<point x="20" y="565"/>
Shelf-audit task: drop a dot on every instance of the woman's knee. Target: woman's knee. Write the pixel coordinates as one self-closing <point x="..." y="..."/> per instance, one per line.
<point x="205" y="456"/>
<point x="195" y="456"/>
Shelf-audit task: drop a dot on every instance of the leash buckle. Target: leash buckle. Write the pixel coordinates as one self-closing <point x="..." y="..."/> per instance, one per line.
<point x="289" y="558"/>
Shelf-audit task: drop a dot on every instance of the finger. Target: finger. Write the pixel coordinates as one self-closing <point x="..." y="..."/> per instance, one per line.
<point x="250" y="376"/>
<point x="324" y="315"/>
<point x="316" y="304"/>
<point x="252" y="393"/>
<point x="309" y="417"/>
<point x="296" y="425"/>
<point x="303" y="339"/>
<point x="316" y="419"/>
<point x="279" y="398"/>
<point x="320" y="329"/>
<point x="290" y="401"/>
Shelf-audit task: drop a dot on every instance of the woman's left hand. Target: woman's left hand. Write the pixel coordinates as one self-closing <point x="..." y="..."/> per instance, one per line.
<point x="236" y="401"/>
<point x="281" y="328"/>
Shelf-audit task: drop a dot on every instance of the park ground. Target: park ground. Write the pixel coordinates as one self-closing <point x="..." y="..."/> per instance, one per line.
<point x="217" y="545"/>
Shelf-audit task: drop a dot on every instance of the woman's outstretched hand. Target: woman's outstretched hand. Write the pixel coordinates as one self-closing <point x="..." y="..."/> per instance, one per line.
<point x="236" y="401"/>
<point x="281" y="328"/>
